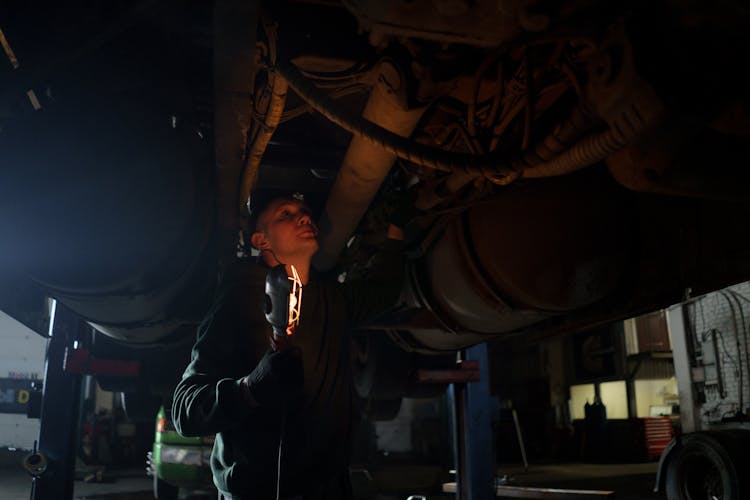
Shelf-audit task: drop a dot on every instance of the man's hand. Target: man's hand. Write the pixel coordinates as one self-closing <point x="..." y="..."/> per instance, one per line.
<point x="277" y="379"/>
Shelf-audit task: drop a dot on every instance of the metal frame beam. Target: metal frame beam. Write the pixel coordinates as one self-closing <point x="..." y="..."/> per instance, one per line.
<point x="61" y="403"/>
<point x="678" y="332"/>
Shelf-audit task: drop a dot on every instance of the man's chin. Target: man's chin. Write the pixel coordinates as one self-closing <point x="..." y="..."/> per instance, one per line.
<point x="309" y="246"/>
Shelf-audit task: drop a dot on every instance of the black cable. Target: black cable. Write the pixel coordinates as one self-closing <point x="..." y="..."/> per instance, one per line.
<point x="739" y="344"/>
<point x="273" y="254"/>
<point x="281" y="444"/>
<point x="726" y="353"/>
<point x="744" y="329"/>
<point x="740" y="296"/>
<point x="499" y="169"/>
<point x="698" y="309"/>
<point x="728" y="413"/>
<point x="355" y="73"/>
<point x="529" y="109"/>
<point x="275" y="92"/>
<point x="339" y="93"/>
<point x="721" y="388"/>
<point x="693" y="318"/>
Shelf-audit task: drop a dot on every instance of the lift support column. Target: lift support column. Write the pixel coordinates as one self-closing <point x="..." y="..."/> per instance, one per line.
<point x="471" y="415"/>
<point x="61" y="403"/>
<point x="471" y="421"/>
<point x="473" y="450"/>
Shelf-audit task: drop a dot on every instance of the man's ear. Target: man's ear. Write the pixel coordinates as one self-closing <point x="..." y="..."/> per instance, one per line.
<point x="259" y="241"/>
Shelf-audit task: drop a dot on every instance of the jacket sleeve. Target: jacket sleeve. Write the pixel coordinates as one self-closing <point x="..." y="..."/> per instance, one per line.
<point x="370" y="297"/>
<point x="209" y="398"/>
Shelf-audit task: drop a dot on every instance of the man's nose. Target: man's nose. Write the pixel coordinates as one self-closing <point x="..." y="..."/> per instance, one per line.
<point x="303" y="219"/>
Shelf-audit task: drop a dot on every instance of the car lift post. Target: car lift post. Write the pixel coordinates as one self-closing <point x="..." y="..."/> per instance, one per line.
<point x="61" y="403"/>
<point x="469" y="397"/>
<point x="471" y="422"/>
<point x="471" y="417"/>
<point x="472" y="430"/>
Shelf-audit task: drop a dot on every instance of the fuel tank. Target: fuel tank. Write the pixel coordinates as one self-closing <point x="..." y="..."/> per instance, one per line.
<point x="531" y="253"/>
<point x="108" y="206"/>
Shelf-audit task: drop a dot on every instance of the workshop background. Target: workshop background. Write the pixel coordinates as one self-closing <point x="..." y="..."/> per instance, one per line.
<point x="557" y="167"/>
<point x="592" y="410"/>
<point x="21" y="365"/>
<point x="720" y="324"/>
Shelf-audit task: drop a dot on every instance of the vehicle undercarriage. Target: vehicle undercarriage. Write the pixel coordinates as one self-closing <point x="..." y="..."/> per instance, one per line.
<point x="565" y="164"/>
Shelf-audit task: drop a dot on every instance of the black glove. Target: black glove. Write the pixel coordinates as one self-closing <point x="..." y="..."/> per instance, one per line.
<point x="277" y="380"/>
<point x="276" y="308"/>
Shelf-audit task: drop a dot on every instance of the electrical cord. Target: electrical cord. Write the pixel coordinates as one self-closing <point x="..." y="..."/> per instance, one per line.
<point x="339" y="93"/>
<point x="738" y="344"/>
<point x="740" y="296"/>
<point x="354" y="74"/>
<point x="699" y="337"/>
<point x="737" y="368"/>
<point x="726" y="351"/>
<point x="273" y="95"/>
<point x="529" y="109"/>
<point x="281" y="447"/>
<point x="472" y="107"/>
<point x="273" y="254"/>
<point x="500" y="170"/>
<point x="737" y="297"/>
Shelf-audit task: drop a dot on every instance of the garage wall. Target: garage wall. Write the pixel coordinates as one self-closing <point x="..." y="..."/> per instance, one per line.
<point x="21" y="358"/>
<point x="654" y="393"/>
<point x="712" y="315"/>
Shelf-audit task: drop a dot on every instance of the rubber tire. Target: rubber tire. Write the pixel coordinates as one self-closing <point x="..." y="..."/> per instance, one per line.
<point x="165" y="491"/>
<point x="700" y="457"/>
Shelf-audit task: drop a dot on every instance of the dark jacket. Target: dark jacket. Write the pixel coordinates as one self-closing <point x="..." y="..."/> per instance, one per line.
<point x="231" y="341"/>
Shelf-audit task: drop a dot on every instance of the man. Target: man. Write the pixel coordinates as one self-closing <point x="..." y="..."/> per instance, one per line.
<point x="252" y="397"/>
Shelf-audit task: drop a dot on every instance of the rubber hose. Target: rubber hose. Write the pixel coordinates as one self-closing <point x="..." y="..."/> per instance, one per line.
<point x="559" y="139"/>
<point x="277" y="90"/>
<point x="586" y="152"/>
<point x="402" y="147"/>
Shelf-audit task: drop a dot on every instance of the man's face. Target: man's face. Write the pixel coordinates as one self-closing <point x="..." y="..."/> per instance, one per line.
<point x="286" y="228"/>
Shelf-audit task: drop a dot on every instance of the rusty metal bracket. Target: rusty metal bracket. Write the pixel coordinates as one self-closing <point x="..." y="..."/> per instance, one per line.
<point x="80" y="361"/>
<point x="466" y="371"/>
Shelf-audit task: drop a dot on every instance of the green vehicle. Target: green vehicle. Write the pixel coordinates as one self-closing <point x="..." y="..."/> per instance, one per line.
<point x="178" y="462"/>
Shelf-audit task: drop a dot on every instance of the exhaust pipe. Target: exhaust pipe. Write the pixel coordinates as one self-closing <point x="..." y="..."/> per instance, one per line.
<point x="365" y="164"/>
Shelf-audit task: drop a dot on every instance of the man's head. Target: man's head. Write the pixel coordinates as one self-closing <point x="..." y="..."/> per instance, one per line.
<point x="285" y="232"/>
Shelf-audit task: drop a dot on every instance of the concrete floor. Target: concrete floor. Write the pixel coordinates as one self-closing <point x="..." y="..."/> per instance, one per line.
<point x="15" y="484"/>
<point x="128" y="484"/>
<point x="629" y="481"/>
